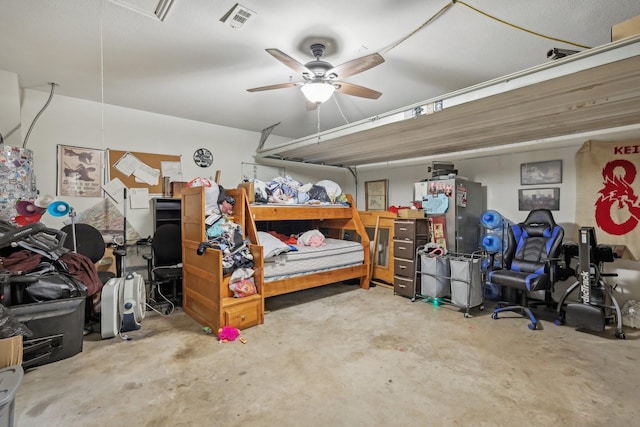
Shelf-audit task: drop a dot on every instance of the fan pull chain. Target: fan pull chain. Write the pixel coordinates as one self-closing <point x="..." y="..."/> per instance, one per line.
<point x="318" y="110"/>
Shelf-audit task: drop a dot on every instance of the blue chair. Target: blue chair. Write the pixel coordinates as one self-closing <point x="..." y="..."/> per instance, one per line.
<point x="530" y="263"/>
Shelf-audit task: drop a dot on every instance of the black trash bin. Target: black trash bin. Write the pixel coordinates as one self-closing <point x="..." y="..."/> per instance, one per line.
<point x="57" y="328"/>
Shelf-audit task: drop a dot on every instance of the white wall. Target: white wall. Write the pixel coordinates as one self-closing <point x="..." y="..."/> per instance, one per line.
<point x="75" y="122"/>
<point x="10" y="108"/>
<point x="499" y="175"/>
<point x="503" y="175"/>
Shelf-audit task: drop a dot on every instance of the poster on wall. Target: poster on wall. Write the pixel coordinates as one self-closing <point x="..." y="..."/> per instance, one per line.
<point x="80" y="171"/>
<point x="607" y="173"/>
<point x="375" y="194"/>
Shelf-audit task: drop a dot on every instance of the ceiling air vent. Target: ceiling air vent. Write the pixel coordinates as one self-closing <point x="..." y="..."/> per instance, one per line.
<point x="237" y="16"/>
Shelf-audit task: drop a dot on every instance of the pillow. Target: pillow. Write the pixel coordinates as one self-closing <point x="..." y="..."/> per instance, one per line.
<point x="272" y="245"/>
<point x="243" y="288"/>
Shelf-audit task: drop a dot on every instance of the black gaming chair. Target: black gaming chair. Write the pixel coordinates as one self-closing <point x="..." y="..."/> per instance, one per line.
<point x="530" y="262"/>
<point x="164" y="264"/>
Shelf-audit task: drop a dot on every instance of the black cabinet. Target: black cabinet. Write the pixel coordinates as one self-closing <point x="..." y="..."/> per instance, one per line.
<point x="166" y="211"/>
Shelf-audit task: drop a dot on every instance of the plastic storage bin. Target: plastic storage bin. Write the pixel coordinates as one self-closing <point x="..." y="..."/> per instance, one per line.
<point x="57" y="328"/>
<point x="10" y="380"/>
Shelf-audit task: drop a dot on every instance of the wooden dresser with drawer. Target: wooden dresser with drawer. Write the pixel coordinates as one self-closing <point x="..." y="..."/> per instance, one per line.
<point x="409" y="234"/>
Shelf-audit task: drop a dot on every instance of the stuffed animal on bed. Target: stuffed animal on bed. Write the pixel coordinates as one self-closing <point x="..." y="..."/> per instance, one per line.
<point x="311" y="238"/>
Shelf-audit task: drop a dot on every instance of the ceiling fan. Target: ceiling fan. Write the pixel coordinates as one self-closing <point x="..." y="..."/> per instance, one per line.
<point x="321" y="78"/>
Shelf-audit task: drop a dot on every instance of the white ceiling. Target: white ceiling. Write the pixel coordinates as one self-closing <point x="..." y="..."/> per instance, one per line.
<point x="196" y="67"/>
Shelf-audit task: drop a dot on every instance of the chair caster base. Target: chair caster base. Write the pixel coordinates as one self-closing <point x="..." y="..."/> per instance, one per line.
<point x="559" y="321"/>
<point x="526" y="312"/>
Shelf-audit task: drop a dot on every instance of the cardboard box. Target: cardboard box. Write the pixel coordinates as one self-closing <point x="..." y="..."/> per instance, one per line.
<point x="108" y="261"/>
<point x="628" y="28"/>
<point x="10" y="351"/>
<point x="410" y="213"/>
<point x="250" y="189"/>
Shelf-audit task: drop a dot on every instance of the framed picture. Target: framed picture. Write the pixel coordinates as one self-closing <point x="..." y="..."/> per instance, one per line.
<point x="375" y="194"/>
<point x="549" y="172"/>
<point x="539" y="198"/>
<point x="80" y="171"/>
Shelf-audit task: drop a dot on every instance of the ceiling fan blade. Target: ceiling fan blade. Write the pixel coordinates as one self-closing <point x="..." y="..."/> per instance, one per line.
<point x="355" y="66"/>
<point x="355" y="90"/>
<point x="271" y="87"/>
<point x="288" y="61"/>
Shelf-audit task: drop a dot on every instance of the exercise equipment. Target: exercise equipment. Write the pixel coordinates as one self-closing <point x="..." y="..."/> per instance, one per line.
<point x="123" y="298"/>
<point x="596" y="305"/>
<point x="123" y="305"/>
<point x="35" y="237"/>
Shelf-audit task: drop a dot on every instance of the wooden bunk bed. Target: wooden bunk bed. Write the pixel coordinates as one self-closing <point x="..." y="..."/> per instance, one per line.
<point x="206" y="294"/>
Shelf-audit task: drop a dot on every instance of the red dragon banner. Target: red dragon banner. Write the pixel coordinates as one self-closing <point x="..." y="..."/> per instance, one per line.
<point x="607" y="190"/>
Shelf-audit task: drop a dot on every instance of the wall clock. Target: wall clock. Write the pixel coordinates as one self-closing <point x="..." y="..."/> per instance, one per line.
<point x="203" y="157"/>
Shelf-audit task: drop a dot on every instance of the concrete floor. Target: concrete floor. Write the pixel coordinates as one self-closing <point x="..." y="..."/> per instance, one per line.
<point x="342" y="356"/>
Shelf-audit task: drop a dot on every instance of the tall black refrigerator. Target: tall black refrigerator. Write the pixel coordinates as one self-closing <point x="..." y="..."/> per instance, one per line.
<point x="461" y="202"/>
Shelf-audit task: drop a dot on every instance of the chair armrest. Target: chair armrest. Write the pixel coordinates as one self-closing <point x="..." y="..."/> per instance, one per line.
<point x="551" y="264"/>
<point x="120" y="252"/>
<point x="149" y="258"/>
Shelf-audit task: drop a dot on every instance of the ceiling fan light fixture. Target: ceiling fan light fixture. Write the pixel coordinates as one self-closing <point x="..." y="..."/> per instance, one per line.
<point x="318" y="92"/>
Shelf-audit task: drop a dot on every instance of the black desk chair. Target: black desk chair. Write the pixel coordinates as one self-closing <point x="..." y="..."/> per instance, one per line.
<point x="164" y="264"/>
<point x="90" y="243"/>
<point x="530" y="262"/>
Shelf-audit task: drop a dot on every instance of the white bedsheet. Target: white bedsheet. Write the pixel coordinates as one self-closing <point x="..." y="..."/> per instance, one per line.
<point x="336" y="253"/>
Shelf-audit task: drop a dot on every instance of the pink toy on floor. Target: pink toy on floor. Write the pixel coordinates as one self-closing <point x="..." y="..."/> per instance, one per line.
<point x="227" y="333"/>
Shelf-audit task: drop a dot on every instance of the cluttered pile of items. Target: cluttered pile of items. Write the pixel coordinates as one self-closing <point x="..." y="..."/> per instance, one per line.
<point x="44" y="286"/>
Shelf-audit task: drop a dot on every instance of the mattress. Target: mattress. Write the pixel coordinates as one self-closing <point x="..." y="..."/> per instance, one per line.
<point x="308" y="259"/>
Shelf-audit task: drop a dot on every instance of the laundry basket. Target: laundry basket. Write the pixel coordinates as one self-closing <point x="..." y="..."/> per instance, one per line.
<point x="435" y="273"/>
<point x="466" y="281"/>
